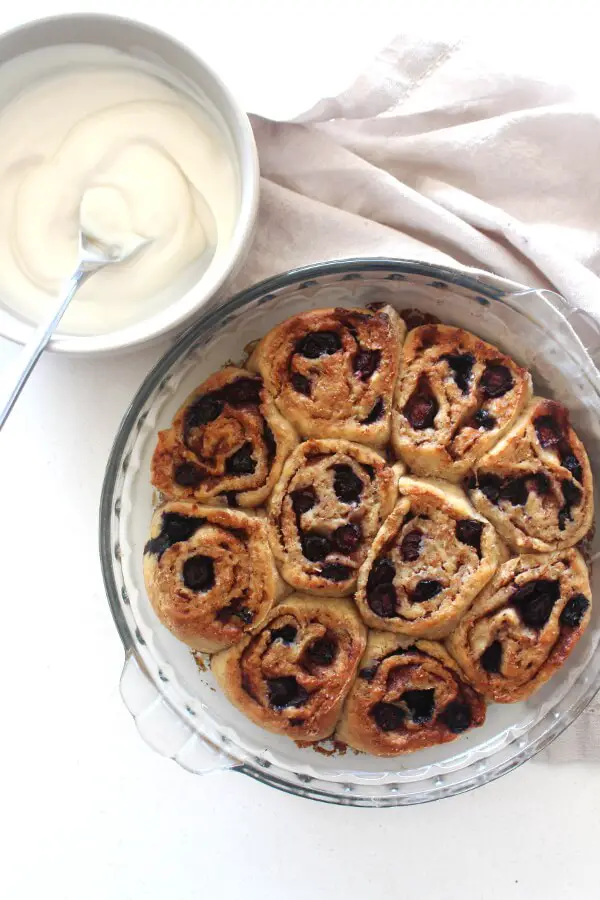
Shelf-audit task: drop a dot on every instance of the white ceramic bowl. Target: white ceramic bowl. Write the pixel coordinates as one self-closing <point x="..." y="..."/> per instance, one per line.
<point x="176" y="64"/>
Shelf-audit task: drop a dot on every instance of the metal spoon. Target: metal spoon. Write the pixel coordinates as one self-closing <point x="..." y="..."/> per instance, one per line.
<point x="93" y="256"/>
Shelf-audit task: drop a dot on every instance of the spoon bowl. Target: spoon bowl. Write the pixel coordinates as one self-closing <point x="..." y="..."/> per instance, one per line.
<point x="92" y="256"/>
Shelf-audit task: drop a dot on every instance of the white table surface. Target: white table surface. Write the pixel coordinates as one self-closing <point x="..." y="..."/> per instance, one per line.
<point x="89" y="811"/>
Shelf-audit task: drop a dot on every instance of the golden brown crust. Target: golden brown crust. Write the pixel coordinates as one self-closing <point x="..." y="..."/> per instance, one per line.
<point x="456" y="396"/>
<point x="209" y="573"/>
<point x="536" y="485"/>
<point x="407" y="697"/>
<point x="324" y="511"/>
<point x="430" y="559"/>
<point x="423" y="561"/>
<point x="332" y="371"/>
<point x="292" y="674"/>
<point x="227" y="443"/>
<point x="524" y="625"/>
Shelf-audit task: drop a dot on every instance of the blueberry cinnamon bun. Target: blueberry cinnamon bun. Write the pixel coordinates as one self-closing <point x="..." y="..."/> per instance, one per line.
<point x="227" y="443"/>
<point x="430" y="559"/>
<point x="407" y="696"/>
<point x="456" y="396"/>
<point x="292" y="674"/>
<point x="209" y="573"/>
<point x="523" y="626"/>
<point x="332" y="371"/>
<point x="325" y="510"/>
<point x="536" y="484"/>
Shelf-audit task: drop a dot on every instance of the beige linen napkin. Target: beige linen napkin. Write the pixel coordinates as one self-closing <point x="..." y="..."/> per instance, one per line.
<point x="451" y="153"/>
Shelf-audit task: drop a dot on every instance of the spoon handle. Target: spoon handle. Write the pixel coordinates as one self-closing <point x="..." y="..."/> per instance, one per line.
<point x="32" y="350"/>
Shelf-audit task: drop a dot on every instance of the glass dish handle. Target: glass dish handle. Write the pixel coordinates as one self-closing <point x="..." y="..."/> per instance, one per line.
<point x="162" y="729"/>
<point x="585" y="326"/>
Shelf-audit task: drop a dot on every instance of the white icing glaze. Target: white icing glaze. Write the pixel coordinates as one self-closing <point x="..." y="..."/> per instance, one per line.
<point x="97" y="139"/>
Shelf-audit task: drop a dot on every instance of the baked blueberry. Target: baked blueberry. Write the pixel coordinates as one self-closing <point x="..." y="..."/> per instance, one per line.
<point x="303" y="500"/>
<point x="462" y="368"/>
<point x="321" y="652"/>
<point x="188" y="475"/>
<point x="301" y="384"/>
<point x="315" y="547"/>
<point x="410" y="547"/>
<point x="319" y="343"/>
<point x="421" y="704"/>
<point x="421" y="407"/>
<point x="286" y="691"/>
<point x="347" y="486"/>
<point x="336" y="572"/>
<point x="496" y="380"/>
<point x="199" y="573"/>
<point x="491" y="658"/>
<point x="574" y="610"/>
<point x="387" y="716"/>
<point x="241" y="462"/>
<point x="468" y="531"/>
<point x="456" y="716"/>
<point x="365" y="363"/>
<point x="382" y="600"/>
<point x="346" y="538"/>
<point x="426" y="590"/>
<point x="535" y="601"/>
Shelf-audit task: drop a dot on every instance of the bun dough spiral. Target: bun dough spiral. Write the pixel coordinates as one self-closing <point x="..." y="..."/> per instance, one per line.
<point x="325" y="510"/>
<point x="407" y="696"/>
<point x="291" y="675"/>
<point x="209" y="573"/>
<point x="430" y="559"/>
<point x="227" y="443"/>
<point x="333" y="371"/>
<point x="455" y="397"/>
<point x="524" y="625"/>
<point x="535" y="485"/>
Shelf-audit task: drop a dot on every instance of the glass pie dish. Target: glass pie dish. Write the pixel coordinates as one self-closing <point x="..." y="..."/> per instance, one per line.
<point x="174" y="702"/>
